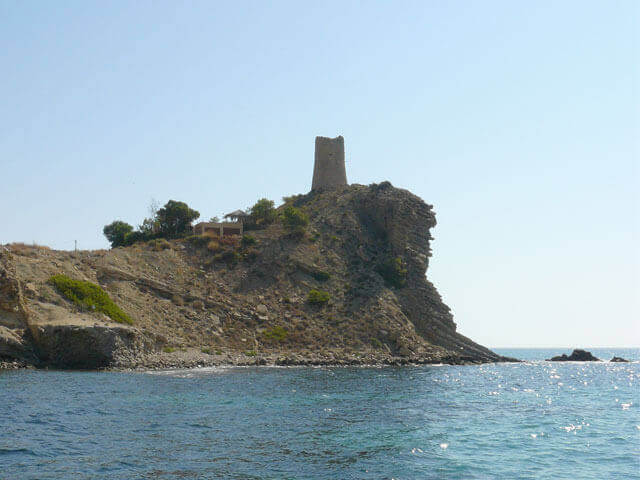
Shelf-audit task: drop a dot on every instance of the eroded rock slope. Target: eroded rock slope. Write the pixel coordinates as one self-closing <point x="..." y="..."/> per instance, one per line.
<point x="195" y="302"/>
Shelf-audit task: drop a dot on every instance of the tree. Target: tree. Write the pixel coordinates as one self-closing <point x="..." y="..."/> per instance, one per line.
<point x="116" y="232"/>
<point x="174" y="219"/>
<point x="263" y="212"/>
<point x="294" y="220"/>
<point x="148" y="227"/>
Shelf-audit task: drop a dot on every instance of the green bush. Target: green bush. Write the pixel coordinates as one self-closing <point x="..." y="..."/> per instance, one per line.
<point x="276" y="334"/>
<point x="293" y="198"/>
<point x="199" y="241"/>
<point x="250" y="353"/>
<point x="168" y="349"/>
<point x="248" y="240"/>
<point x="318" y="297"/>
<point x="294" y="220"/>
<point x="263" y="212"/>
<point x="89" y="296"/>
<point x="321" y="275"/>
<point x="134" y="237"/>
<point x="393" y="271"/>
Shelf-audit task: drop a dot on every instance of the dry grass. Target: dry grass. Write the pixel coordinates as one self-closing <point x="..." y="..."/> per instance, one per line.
<point x="213" y="246"/>
<point x="27" y="250"/>
<point x="230" y="241"/>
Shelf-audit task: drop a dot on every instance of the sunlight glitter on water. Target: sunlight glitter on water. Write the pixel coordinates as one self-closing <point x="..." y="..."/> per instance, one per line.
<point x="264" y="423"/>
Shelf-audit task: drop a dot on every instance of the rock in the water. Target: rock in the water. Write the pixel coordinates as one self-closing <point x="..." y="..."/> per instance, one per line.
<point x="619" y="360"/>
<point x="577" y="355"/>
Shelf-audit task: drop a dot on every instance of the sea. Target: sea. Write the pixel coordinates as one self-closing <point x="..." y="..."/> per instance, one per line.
<point x="530" y="420"/>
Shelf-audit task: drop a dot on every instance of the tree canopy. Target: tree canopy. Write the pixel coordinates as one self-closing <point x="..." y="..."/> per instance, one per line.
<point x="171" y="221"/>
<point x="174" y="219"/>
<point x="263" y="212"/>
<point x="116" y="232"/>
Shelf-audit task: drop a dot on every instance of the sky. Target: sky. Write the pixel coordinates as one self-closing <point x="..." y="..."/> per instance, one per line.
<point x="518" y="121"/>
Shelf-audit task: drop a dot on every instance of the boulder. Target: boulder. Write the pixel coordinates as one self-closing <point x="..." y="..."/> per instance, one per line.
<point x="11" y="345"/>
<point x="577" y="355"/>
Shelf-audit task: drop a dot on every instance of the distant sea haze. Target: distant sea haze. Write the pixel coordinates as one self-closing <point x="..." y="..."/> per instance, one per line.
<point x="529" y="420"/>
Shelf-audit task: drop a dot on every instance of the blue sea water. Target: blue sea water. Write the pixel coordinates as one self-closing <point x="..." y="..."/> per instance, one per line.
<point x="529" y="420"/>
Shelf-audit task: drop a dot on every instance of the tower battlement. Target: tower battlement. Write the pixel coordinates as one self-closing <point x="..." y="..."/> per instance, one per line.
<point x="329" y="169"/>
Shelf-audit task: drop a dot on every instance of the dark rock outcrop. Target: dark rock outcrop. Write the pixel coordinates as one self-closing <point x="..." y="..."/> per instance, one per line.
<point x="577" y="355"/>
<point x="619" y="360"/>
<point x="89" y="346"/>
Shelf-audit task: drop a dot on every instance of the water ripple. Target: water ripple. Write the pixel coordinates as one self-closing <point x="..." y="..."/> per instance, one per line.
<point x="528" y="420"/>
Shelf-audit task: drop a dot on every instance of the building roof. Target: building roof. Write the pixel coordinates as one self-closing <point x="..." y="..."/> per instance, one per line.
<point x="236" y="213"/>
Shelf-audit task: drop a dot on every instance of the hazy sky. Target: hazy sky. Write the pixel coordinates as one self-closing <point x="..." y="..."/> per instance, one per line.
<point x="518" y="121"/>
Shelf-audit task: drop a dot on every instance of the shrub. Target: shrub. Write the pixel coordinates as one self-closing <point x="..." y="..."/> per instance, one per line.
<point x="294" y="219"/>
<point x="89" y="296"/>
<point x="375" y="343"/>
<point x="213" y="246"/>
<point x="250" y="254"/>
<point x="318" y="297"/>
<point x="248" y="240"/>
<point x="263" y="212"/>
<point x="116" y="232"/>
<point x="276" y="334"/>
<point x="230" y="240"/>
<point x="159" y="244"/>
<point x="321" y="275"/>
<point x="134" y="237"/>
<point x="250" y="353"/>
<point x="393" y="271"/>
<point x="206" y="350"/>
<point x="293" y="198"/>
<point x="201" y="240"/>
<point x="168" y="349"/>
<point x="227" y="256"/>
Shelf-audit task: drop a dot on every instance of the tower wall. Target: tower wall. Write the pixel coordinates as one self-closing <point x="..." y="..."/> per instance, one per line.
<point x="329" y="170"/>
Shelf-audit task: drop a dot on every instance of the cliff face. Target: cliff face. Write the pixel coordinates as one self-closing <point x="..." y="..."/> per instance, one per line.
<point x="367" y="247"/>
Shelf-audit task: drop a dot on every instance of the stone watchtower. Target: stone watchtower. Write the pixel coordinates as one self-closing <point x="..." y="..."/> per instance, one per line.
<point x="329" y="170"/>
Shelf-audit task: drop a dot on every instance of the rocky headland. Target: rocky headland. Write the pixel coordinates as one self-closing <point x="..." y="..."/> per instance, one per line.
<point x="349" y="290"/>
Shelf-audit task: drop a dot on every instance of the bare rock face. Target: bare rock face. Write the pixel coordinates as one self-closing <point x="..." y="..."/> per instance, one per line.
<point x="88" y="346"/>
<point x="365" y="253"/>
<point x="379" y="223"/>
<point x="13" y="314"/>
<point x="577" y="355"/>
<point x="52" y="335"/>
<point x="11" y="344"/>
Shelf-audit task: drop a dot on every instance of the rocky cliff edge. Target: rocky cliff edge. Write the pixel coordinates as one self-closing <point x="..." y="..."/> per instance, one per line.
<point x="201" y="302"/>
